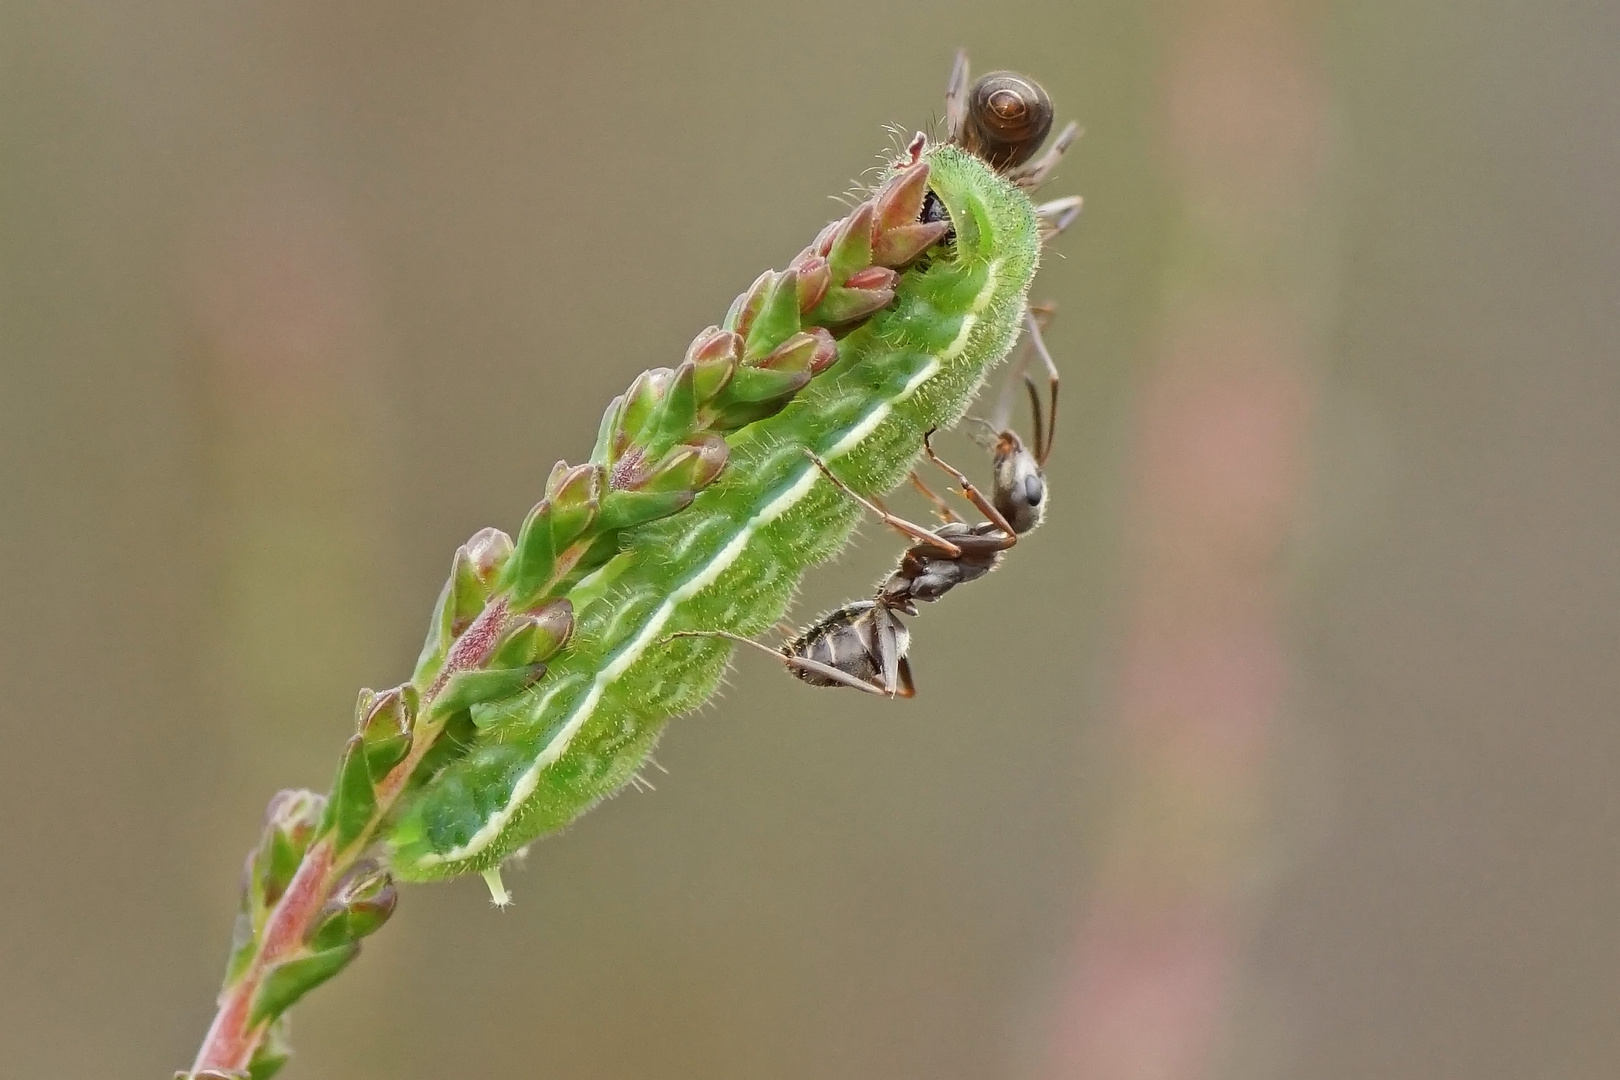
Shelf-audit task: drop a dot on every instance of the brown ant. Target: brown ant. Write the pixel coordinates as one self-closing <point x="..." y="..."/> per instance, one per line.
<point x="1004" y="118"/>
<point x="864" y="643"/>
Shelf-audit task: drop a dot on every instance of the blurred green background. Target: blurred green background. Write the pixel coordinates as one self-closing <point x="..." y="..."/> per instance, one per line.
<point x="1286" y="749"/>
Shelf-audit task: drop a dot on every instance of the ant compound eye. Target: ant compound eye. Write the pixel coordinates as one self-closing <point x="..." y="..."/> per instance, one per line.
<point x="1034" y="490"/>
<point x="1008" y="118"/>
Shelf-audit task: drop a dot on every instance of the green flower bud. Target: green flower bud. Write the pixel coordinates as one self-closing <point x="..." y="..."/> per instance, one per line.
<point x="623" y="509"/>
<point x="641" y="402"/>
<point x="553" y="524"/>
<point x="290" y="823"/>
<point x="535" y="636"/>
<point x="778" y="317"/>
<point x="689" y="467"/>
<point x="292" y="979"/>
<point x="473" y="571"/>
<point x="274" y="1051"/>
<point x="754" y="385"/>
<point x="465" y="689"/>
<point x="354" y="799"/>
<point x="675" y="418"/>
<point x="357" y="908"/>
<point x="873" y="290"/>
<point x="386" y="723"/>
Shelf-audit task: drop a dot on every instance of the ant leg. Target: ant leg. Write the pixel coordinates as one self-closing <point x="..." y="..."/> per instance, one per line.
<point x="956" y="98"/>
<point x="1056" y="216"/>
<point x="941" y="507"/>
<point x="1034" y="326"/>
<point x="797" y="663"/>
<point x="1033" y="174"/>
<point x="827" y="671"/>
<point x="907" y="688"/>
<point x="907" y="528"/>
<point x="1018" y="368"/>
<point x="972" y="494"/>
<point x="887" y="638"/>
<point x="737" y="639"/>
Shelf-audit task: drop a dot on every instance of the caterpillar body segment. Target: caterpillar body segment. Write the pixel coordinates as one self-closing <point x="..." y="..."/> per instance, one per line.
<point x="731" y="560"/>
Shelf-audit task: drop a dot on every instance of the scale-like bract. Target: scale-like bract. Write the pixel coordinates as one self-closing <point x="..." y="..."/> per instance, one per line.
<point x="731" y="560"/>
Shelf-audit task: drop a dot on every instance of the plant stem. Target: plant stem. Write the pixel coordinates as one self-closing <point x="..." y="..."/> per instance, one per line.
<point x="235" y="1035"/>
<point x="232" y="1038"/>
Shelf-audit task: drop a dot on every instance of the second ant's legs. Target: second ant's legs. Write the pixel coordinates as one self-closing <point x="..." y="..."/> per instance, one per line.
<point x="1036" y="326"/>
<point x="1033" y="174"/>
<point x="1056" y="216"/>
<point x="956" y="98"/>
<point x="914" y="531"/>
<point x="1033" y="343"/>
<point x="1018" y="366"/>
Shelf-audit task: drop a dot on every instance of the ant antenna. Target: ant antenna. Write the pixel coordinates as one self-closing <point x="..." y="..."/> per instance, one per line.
<point x="1032" y="344"/>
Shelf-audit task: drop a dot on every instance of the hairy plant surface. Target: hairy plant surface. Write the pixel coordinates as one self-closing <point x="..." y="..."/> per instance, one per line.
<point x="549" y="669"/>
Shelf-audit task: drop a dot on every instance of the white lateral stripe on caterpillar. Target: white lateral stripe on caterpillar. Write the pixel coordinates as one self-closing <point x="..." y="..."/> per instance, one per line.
<point x="633" y="649"/>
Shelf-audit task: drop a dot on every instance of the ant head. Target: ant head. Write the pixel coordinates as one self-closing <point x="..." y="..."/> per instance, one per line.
<point x="1019" y="487"/>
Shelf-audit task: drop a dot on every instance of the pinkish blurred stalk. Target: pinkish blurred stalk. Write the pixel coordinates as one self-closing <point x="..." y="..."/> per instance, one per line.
<point x="1219" y="457"/>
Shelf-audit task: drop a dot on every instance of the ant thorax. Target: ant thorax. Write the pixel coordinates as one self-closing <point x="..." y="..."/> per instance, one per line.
<point x="926" y="573"/>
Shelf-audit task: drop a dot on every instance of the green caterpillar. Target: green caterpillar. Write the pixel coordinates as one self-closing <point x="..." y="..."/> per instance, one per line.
<point x="517" y="766"/>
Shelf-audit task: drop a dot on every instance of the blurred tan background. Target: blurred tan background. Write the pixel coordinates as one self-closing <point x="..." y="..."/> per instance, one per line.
<point x="1288" y="749"/>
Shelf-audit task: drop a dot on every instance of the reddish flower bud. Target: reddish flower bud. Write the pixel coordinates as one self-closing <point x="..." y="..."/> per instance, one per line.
<point x="746" y="307"/>
<point x="852" y="246"/>
<point x="487" y="550"/>
<point x="713" y="344"/>
<point x="901" y="245"/>
<point x="873" y="277"/>
<point x="899" y="201"/>
<point x="640" y="403"/>
<point x="847" y="305"/>
<point x="814" y="277"/>
<point x="799" y="352"/>
<point x="826" y="351"/>
<point x="715" y="363"/>
<point x="357" y="908"/>
<point x="824" y="239"/>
